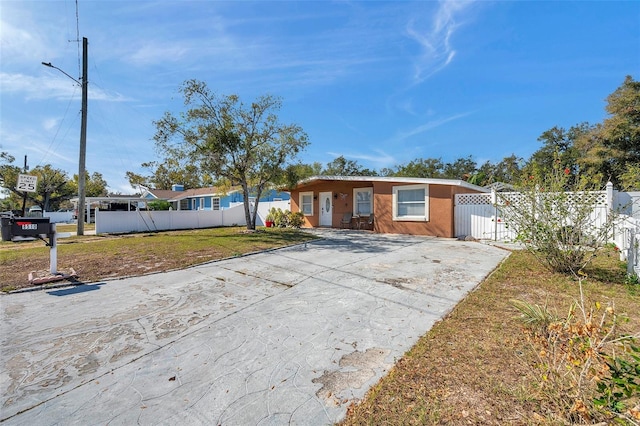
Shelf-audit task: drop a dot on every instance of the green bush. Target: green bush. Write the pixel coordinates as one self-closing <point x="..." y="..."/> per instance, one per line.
<point x="585" y="368"/>
<point x="285" y="218"/>
<point x="553" y="217"/>
<point x="620" y="389"/>
<point x="159" y="205"/>
<point x="296" y="220"/>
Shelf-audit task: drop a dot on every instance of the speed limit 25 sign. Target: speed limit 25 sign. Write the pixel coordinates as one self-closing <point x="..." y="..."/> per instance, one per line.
<point x="27" y="183"/>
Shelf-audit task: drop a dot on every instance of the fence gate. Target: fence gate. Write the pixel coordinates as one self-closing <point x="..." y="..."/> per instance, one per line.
<point x="473" y="214"/>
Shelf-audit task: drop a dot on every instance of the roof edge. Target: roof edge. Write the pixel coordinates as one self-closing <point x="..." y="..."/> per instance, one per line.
<point x="432" y="181"/>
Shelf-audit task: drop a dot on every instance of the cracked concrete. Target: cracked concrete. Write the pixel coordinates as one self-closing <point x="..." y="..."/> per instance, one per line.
<point x="290" y="336"/>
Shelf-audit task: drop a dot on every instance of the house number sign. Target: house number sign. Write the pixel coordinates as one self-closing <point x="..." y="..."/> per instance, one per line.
<point x="27" y="183"/>
<point x="28" y="226"/>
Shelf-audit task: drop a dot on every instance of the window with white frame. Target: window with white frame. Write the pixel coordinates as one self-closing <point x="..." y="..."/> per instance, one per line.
<point x="411" y="202"/>
<point x="363" y="201"/>
<point x="201" y="202"/>
<point x="215" y="203"/>
<point x="306" y="203"/>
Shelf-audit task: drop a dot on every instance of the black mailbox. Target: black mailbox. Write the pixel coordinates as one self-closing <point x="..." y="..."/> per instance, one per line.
<point x="25" y="227"/>
<point x="5" y="228"/>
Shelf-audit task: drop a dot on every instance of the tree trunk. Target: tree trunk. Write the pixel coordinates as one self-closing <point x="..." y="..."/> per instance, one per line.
<point x="255" y="207"/>
<point x="251" y="225"/>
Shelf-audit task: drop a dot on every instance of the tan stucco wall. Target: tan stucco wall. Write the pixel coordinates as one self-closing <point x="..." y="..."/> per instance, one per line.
<point x="441" y="206"/>
<point x="342" y="196"/>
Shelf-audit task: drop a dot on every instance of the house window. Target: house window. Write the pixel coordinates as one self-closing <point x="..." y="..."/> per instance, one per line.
<point x="201" y="204"/>
<point x="362" y="201"/>
<point x="306" y="203"/>
<point x="215" y="203"/>
<point x="411" y="202"/>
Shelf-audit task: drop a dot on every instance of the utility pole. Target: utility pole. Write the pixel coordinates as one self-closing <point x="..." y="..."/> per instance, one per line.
<point x="83" y="133"/>
<point x="83" y="141"/>
<point x="24" y="194"/>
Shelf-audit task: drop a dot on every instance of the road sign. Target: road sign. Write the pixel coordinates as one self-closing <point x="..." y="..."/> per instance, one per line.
<point x="27" y="183"/>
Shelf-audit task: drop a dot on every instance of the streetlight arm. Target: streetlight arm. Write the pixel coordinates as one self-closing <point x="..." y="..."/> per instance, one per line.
<point x="48" y="64"/>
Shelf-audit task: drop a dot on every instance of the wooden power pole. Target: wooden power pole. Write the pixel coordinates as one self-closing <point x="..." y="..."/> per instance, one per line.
<point x="83" y="141"/>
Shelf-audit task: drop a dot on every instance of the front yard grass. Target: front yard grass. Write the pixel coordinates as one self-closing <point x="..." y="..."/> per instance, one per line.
<point x="98" y="257"/>
<point x="476" y="366"/>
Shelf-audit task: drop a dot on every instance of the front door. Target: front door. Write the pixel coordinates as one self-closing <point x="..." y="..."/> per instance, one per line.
<point x="326" y="210"/>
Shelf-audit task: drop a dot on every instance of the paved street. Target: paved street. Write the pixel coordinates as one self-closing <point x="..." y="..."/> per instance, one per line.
<point x="289" y="336"/>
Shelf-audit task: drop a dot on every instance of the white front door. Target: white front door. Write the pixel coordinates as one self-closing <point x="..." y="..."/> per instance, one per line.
<point x="326" y="209"/>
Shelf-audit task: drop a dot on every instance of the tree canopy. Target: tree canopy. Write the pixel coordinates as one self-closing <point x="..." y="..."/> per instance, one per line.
<point x="340" y="166"/>
<point x="236" y="144"/>
<point x="162" y="175"/>
<point x="53" y="187"/>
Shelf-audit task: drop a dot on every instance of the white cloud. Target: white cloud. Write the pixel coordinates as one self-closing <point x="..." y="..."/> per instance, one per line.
<point x="20" y="44"/>
<point x="427" y="126"/>
<point x="382" y="159"/>
<point x="435" y="39"/>
<point x="50" y="123"/>
<point x="157" y="53"/>
<point x="52" y="87"/>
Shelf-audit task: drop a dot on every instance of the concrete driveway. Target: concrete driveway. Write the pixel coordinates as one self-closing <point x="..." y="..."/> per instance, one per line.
<point x="290" y="336"/>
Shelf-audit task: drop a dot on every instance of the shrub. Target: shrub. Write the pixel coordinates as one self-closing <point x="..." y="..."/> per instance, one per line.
<point x="585" y="368"/>
<point x="553" y="216"/>
<point x="159" y="205"/>
<point x="296" y="220"/>
<point x="285" y="218"/>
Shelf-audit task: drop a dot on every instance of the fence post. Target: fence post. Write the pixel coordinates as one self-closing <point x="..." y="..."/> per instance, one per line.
<point x="610" y="195"/>
<point x="494" y="201"/>
<point x="609" y="212"/>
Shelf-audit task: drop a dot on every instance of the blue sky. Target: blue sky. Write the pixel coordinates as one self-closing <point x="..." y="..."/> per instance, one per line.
<point x="381" y="83"/>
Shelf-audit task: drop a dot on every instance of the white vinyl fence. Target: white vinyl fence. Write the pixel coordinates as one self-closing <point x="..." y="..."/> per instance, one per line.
<point x="150" y="221"/>
<point x="627" y="237"/>
<point x="59" y="217"/>
<point x="479" y="216"/>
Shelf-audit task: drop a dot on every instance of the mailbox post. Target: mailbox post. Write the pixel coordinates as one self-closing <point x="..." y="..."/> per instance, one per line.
<point x="16" y="228"/>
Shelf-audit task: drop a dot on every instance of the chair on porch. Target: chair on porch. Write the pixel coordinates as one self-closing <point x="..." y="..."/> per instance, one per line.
<point x="346" y="220"/>
<point x="370" y="222"/>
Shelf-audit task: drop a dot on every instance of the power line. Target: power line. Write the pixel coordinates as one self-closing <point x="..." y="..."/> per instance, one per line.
<point x="64" y="118"/>
<point x="78" y="40"/>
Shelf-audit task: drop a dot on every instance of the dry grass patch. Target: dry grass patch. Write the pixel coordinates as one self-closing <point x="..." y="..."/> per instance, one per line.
<point x="99" y="257"/>
<point x="476" y="366"/>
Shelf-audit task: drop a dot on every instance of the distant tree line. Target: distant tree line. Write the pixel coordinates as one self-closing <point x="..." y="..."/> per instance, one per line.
<point x="54" y="187"/>
<point x="607" y="151"/>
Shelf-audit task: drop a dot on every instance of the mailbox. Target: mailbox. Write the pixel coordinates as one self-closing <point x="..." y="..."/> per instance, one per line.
<point x="25" y="227"/>
<point x="5" y="228"/>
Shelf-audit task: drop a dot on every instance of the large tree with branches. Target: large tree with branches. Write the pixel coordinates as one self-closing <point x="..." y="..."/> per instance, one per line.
<point x="243" y="145"/>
